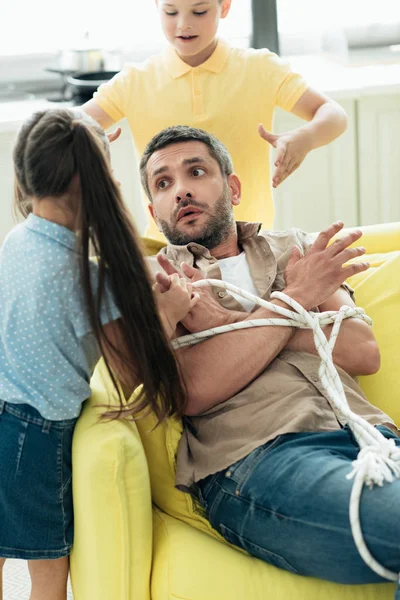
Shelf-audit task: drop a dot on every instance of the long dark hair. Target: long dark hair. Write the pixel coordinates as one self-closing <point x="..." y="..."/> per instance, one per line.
<point x="52" y="148"/>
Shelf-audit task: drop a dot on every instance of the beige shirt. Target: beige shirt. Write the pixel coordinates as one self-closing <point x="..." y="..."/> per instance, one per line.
<point x="287" y="397"/>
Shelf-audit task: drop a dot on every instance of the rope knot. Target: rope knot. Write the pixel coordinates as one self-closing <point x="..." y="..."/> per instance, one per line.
<point x="377" y="463"/>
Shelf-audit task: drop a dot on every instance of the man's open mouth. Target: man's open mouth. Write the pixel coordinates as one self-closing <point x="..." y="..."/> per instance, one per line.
<point x="188" y="212"/>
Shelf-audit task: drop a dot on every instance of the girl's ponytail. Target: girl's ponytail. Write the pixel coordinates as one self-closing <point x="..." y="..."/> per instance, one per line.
<point x="106" y="223"/>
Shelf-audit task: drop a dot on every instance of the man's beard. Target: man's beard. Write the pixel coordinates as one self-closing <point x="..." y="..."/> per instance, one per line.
<point x="215" y="231"/>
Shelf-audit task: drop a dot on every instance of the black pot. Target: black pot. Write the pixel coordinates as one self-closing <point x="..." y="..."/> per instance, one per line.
<point x="83" y="85"/>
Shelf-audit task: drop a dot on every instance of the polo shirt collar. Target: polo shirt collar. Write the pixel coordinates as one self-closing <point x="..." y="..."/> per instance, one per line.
<point x="176" y="67"/>
<point x="58" y="233"/>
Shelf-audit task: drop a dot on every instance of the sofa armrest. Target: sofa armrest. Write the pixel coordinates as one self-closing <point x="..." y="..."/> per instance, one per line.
<point x="112" y="551"/>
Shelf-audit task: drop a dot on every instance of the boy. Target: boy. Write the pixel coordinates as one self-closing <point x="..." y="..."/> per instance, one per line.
<point x="201" y="81"/>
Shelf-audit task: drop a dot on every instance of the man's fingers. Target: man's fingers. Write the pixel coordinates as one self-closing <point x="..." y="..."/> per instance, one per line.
<point x="190" y="272"/>
<point x="354" y="268"/>
<point x="341" y="243"/>
<point x="294" y="257"/>
<point x="327" y="234"/>
<point x="114" y="135"/>
<point x="350" y="253"/>
<point x="166" y="264"/>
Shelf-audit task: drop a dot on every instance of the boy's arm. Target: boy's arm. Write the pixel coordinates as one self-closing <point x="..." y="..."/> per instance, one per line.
<point x="356" y="350"/>
<point x="327" y="121"/>
<point x="98" y="114"/>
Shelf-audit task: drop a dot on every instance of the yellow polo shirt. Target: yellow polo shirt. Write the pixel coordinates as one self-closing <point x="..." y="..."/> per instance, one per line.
<point x="228" y="95"/>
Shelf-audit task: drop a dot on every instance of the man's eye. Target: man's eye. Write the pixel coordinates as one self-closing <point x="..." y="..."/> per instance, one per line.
<point x="199" y="14"/>
<point x="161" y="185"/>
<point x="171" y="14"/>
<point x="198" y="172"/>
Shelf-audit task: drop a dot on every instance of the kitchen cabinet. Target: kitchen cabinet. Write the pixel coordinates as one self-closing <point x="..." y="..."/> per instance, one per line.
<point x="325" y="187"/>
<point x="126" y="171"/>
<point x="379" y="158"/>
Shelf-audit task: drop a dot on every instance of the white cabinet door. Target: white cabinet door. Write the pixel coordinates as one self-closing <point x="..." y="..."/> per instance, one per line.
<point x="324" y="188"/>
<point x="379" y="158"/>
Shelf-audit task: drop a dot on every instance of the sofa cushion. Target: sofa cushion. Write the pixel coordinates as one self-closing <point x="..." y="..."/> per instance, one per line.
<point x="378" y="292"/>
<point x="189" y="565"/>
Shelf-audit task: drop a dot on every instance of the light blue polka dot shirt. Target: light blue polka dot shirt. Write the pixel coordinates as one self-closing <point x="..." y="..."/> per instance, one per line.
<point x="47" y="350"/>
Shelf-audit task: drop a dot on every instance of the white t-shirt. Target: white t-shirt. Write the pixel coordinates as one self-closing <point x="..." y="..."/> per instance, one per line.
<point x="235" y="270"/>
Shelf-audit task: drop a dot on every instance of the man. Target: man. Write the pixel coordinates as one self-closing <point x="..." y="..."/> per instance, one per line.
<point x="262" y="448"/>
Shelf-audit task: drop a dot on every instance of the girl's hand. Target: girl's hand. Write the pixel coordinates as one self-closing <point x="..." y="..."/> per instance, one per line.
<point x="175" y="302"/>
<point x="292" y="147"/>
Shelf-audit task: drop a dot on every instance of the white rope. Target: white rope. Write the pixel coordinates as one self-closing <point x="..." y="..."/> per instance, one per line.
<point x="379" y="459"/>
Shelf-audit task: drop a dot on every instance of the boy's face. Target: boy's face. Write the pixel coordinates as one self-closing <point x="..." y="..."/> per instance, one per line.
<point x="191" y="26"/>
<point x="189" y="193"/>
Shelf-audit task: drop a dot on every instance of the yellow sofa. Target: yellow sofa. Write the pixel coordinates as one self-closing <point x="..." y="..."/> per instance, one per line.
<point x="137" y="537"/>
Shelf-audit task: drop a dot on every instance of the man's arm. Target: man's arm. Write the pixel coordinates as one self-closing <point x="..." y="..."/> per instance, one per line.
<point x="356" y="350"/>
<point x="217" y="369"/>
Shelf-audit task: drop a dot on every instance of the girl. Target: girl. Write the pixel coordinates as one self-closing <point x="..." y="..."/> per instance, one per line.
<point x="59" y="312"/>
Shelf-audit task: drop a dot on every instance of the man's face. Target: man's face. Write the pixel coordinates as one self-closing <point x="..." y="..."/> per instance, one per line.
<point x="192" y="201"/>
<point x="190" y="26"/>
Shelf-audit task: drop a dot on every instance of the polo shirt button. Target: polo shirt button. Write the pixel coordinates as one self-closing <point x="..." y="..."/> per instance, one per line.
<point x="316" y="379"/>
<point x="221" y="294"/>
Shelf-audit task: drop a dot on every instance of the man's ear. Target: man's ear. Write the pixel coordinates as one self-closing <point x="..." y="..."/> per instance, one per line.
<point x="235" y="187"/>
<point x="153" y="214"/>
<point x="225" y="8"/>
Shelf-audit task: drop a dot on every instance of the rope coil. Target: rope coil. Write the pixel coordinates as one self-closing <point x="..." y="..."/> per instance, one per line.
<point x="379" y="458"/>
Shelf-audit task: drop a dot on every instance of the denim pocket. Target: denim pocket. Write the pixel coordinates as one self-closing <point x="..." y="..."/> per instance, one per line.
<point x="256" y="550"/>
<point x="240" y="470"/>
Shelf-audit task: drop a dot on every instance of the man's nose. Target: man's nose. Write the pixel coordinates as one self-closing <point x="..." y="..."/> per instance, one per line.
<point x="183" y="195"/>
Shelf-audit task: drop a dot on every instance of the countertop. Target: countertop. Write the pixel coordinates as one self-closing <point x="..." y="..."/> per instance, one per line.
<point x="331" y="77"/>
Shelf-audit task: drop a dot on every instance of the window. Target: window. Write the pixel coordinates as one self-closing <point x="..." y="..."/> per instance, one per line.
<point x="307" y="25"/>
<point x="135" y="25"/>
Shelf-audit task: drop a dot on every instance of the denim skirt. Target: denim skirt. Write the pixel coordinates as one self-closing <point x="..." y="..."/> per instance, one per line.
<point x="36" y="511"/>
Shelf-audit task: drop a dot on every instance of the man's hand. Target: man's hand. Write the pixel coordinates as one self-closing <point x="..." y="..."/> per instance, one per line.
<point x="313" y="278"/>
<point x="207" y="312"/>
<point x="291" y="149"/>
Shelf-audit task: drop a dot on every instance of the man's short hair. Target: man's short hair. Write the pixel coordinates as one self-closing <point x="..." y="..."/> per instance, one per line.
<point x="184" y="133"/>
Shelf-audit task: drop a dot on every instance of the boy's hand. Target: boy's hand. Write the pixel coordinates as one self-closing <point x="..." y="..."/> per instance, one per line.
<point x="292" y="147"/>
<point x="114" y="135"/>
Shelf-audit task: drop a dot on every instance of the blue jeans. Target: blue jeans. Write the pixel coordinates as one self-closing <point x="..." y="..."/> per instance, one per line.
<point x="287" y="503"/>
